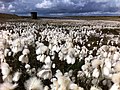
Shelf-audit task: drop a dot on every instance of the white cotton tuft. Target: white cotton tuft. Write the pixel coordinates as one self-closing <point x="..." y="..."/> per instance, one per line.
<point x="80" y="88"/>
<point x="84" y="67"/>
<point x="15" y="49"/>
<point x="116" y="78"/>
<point x="96" y="63"/>
<point x="66" y="74"/>
<point x="42" y="58"/>
<point x="70" y="60"/>
<point x="5" y="70"/>
<point x="116" y="56"/>
<point x="105" y="54"/>
<point x="16" y="76"/>
<point x="24" y="59"/>
<point x="70" y="73"/>
<point x="53" y="65"/>
<point x="64" y="50"/>
<point x="38" y="57"/>
<point x="63" y="81"/>
<point x="106" y="71"/>
<point x="96" y="73"/>
<point x="27" y="66"/>
<point x="54" y="48"/>
<point x="8" y="86"/>
<point x="45" y="74"/>
<point x="41" y="50"/>
<point x="73" y="86"/>
<point x="108" y="63"/>
<point x="88" y="45"/>
<point x="117" y="67"/>
<point x="46" y="66"/>
<point x="25" y="51"/>
<point x="9" y="53"/>
<point x="38" y="51"/>
<point x="58" y="73"/>
<point x="48" y="60"/>
<point x="46" y="88"/>
<point x="17" y="45"/>
<point x="69" y="45"/>
<point x="33" y="84"/>
<point x="112" y="48"/>
<point x="39" y="44"/>
<point x="6" y="51"/>
<point x="2" y="58"/>
<point x="50" y="46"/>
<point x="95" y="88"/>
<point x="115" y="87"/>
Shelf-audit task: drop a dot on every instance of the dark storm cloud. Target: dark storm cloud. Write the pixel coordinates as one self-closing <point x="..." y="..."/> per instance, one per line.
<point x="76" y="7"/>
<point x="6" y="1"/>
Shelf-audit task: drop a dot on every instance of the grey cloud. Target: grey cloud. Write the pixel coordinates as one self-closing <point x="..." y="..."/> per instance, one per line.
<point x="7" y="1"/>
<point x="65" y="7"/>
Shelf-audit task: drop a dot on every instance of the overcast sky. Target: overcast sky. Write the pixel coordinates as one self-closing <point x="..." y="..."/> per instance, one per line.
<point x="61" y="7"/>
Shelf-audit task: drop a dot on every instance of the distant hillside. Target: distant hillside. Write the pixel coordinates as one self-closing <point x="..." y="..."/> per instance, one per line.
<point x="14" y="17"/>
<point x="116" y="18"/>
<point x="8" y="16"/>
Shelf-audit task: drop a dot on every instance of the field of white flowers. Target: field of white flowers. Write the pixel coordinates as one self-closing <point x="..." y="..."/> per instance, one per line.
<point x="63" y="55"/>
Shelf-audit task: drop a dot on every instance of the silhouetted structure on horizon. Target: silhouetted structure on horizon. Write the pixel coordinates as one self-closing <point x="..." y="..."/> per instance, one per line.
<point x="34" y="15"/>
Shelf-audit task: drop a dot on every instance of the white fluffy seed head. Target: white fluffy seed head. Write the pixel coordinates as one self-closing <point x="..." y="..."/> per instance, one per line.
<point x="6" y="51"/>
<point x="45" y="74"/>
<point x="58" y="73"/>
<point x="70" y="60"/>
<point x="48" y="60"/>
<point x="73" y="86"/>
<point x="117" y="67"/>
<point x="96" y="73"/>
<point x="112" y="48"/>
<point x="8" y="86"/>
<point x="84" y="67"/>
<point x="95" y="88"/>
<point x="9" y="53"/>
<point x="96" y="63"/>
<point x="25" y="51"/>
<point x="70" y="73"/>
<point x="33" y="84"/>
<point x="27" y="66"/>
<point x="53" y="65"/>
<point x="5" y="69"/>
<point x="24" y="59"/>
<point x="115" y="87"/>
<point x="42" y="58"/>
<point x="116" y="56"/>
<point x="116" y="78"/>
<point x="46" y="88"/>
<point x="88" y="45"/>
<point x="16" y="76"/>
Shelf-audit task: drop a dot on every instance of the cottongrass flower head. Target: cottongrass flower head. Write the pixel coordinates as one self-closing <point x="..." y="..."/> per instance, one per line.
<point x="96" y="63"/>
<point x="24" y="59"/>
<point x="25" y="51"/>
<point x="5" y="70"/>
<point x="95" y="88"/>
<point x="117" y="67"/>
<point x="16" y="76"/>
<point x="116" y="78"/>
<point x="46" y="88"/>
<point x="33" y="84"/>
<point x="75" y="87"/>
<point x="8" y="86"/>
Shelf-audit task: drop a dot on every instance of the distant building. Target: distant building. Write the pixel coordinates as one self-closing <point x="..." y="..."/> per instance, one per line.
<point x="34" y="15"/>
